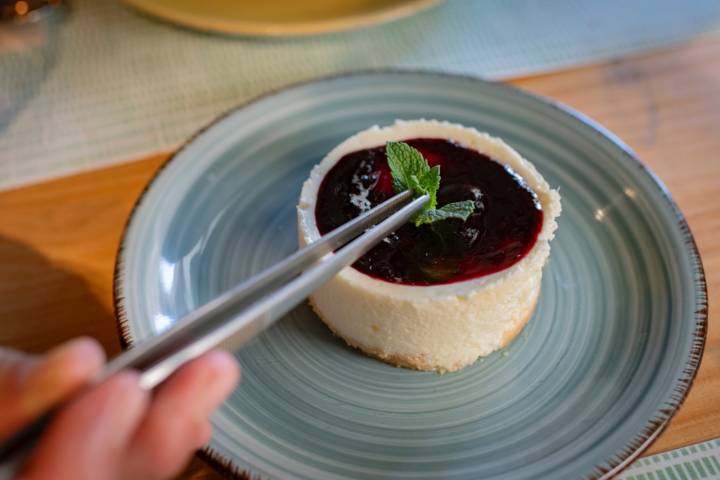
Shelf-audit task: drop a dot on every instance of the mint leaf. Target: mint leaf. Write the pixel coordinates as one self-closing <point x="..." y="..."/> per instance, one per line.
<point x="404" y="162"/>
<point x="410" y="171"/>
<point x="431" y="184"/>
<point x="461" y="210"/>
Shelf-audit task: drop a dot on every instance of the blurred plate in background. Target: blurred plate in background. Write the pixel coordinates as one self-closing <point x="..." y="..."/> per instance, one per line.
<point x="279" y="17"/>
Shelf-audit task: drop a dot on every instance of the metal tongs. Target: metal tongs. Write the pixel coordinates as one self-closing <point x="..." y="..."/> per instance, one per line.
<point x="238" y="315"/>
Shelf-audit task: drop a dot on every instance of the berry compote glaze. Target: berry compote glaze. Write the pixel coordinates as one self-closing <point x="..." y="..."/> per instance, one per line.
<point x="501" y="231"/>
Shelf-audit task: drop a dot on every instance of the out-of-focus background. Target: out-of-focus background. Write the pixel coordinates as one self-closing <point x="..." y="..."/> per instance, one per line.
<point x="111" y="88"/>
<point x="106" y="83"/>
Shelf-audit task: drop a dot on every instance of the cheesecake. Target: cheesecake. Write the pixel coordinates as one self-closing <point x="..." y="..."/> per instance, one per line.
<point x="433" y="297"/>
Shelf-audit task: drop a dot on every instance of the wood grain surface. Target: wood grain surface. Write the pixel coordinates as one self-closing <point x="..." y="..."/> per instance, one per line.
<point x="58" y="239"/>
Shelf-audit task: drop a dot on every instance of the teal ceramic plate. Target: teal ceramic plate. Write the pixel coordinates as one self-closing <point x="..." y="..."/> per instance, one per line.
<point x="604" y="363"/>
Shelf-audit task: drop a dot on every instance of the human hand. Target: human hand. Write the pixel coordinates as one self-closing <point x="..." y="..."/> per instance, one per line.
<point x="116" y="430"/>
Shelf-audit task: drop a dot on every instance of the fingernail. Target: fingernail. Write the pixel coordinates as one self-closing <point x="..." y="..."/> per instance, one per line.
<point x="78" y="351"/>
<point x="126" y="385"/>
<point x="65" y="368"/>
<point x="222" y="376"/>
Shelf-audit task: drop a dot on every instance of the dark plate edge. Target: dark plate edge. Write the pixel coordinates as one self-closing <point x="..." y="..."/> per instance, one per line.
<point x="638" y="444"/>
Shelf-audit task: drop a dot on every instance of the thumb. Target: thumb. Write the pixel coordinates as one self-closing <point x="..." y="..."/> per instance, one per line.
<point x="30" y="384"/>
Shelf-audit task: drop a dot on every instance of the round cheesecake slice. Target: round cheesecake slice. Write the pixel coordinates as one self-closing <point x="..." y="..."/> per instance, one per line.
<point x="434" y="297"/>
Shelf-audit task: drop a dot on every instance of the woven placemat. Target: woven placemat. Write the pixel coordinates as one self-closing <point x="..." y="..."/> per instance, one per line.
<point x="697" y="461"/>
<point x="111" y="85"/>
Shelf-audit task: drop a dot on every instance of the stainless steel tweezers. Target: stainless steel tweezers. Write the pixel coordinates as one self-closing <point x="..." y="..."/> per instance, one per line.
<point x="238" y="315"/>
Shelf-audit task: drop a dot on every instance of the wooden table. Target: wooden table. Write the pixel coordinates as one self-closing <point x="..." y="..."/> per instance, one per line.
<point x="58" y="239"/>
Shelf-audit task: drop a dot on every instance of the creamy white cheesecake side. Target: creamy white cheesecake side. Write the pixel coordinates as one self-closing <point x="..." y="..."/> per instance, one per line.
<point x="440" y="327"/>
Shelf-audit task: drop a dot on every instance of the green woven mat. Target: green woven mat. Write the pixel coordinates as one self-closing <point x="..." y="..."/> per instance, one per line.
<point x="697" y="461"/>
<point x="111" y="85"/>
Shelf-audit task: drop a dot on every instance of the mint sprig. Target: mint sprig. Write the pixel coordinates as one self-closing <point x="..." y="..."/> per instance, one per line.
<point x="461" y="210"/>
<point x="410" y="171"/>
